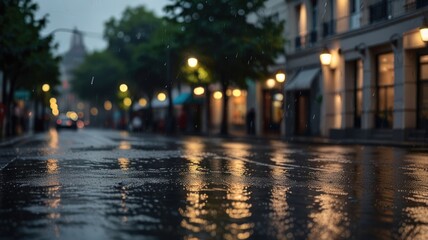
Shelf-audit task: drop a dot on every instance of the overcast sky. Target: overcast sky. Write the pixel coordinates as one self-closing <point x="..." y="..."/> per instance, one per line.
<point x="87" y="15"/>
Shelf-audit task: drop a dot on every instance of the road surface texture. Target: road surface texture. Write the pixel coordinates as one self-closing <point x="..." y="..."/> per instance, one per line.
<point x="93" y="184"/>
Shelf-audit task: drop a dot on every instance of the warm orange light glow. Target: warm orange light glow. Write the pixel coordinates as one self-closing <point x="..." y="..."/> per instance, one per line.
<point x="123" y="87"/>
<point x="94" y="111"/>
<point x="192" y="62"/>
<point x="270" y="83"/>
<point x="280" y="77"/>
<point x="423" y="31"/>
<point x="236" y="92"/>
<point x="55" y="112"/>
<point x="127" y="102"/>
<point x="217" y="95"/>
<point x="142" y="102"/>
<point x="199" y="91"/>
<point x="107" y="105"/>
<point x="325" y="57"/>
<point x="161" y="97"/>
<point x="46" y="87"/>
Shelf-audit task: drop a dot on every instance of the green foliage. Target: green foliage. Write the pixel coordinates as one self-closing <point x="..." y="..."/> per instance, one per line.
<point x="231" y="45"/>
<point x="233" y="38"/>
<point x="98" y="77"/>
<point x="142" y="41"/>
<point x="24" y="55"/>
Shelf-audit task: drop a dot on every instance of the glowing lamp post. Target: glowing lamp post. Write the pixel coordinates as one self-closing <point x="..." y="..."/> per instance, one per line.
<point x="325" y="57"/>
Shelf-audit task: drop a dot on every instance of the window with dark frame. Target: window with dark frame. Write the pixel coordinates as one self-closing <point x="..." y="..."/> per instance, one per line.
<point x="385" y="90"/>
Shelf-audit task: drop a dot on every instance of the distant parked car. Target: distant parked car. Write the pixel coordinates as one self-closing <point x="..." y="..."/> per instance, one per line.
<point x="65" y="122"/>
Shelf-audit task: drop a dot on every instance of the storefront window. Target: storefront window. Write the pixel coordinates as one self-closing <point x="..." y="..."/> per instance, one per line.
<point x="423" y="92"/>
<point x="385" y="90"/>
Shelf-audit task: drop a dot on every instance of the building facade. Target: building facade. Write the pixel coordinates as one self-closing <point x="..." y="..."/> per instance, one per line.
<point x="70" y="60"/>
<point x="375" y="83"/>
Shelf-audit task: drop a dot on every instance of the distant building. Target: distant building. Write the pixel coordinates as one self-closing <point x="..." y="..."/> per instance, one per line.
<point x="374" y="84"/>
<point x="70" y="60"/>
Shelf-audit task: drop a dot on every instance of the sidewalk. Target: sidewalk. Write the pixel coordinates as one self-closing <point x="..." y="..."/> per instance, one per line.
<point x="313" y="140"/>
<point x="8" y="141"/>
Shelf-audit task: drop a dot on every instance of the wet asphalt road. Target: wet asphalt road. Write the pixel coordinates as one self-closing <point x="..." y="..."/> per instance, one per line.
<point x="94" y="184"/>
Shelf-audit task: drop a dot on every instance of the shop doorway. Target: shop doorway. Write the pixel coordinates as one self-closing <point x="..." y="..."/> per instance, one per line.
<point x="302" y="113"/>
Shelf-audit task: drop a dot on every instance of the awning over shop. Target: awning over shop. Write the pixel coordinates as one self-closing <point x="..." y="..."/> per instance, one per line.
<point x="186" y="98"/>
<point x="303" y="80"/>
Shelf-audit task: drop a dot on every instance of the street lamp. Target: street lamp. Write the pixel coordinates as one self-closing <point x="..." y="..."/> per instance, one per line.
<point x="123" y="87"/>
<point x="423" y="31"/>
<point x="192" y="62"/>
<point x="46" y="87"/>
<point x="198" y="91"/>
<point x="270" y="83"/>
<point x="280" y="77"/>
<point x="325" y="57"/>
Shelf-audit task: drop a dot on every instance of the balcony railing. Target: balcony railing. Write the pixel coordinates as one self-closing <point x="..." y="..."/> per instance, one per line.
<point x="306" y="40"/>
<point x="379" y="11"/>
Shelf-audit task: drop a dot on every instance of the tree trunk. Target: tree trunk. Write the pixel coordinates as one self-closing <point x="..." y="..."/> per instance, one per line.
<point x="170" y="120"/>
<point x="10" y="124"/>
<point x="5" y="113"/>
<point x="224" y="119"/>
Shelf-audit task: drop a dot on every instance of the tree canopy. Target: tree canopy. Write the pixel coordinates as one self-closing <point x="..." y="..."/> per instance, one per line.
<point x="234" y="39"/>
<point x="141" y="41"/>
<point x="26" y="60"/>
<point x="98" y="77"/>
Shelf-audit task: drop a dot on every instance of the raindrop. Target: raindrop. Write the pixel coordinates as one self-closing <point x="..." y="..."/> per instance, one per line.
<point x="313" y="117"/>
<point x="138" y="36"/>
<point x="241" y="12"/>
<point x="236" y="56"/>
<point x="195" y="16"/>
<point x="120" y="34"/>
<point x="249" y="5"/>
<point x="167" y="46"/>
<point x="211" y="19"/>
<point x="200" y="6"/>
<point x="92" y="80"/>
<point x="183" y="28"/>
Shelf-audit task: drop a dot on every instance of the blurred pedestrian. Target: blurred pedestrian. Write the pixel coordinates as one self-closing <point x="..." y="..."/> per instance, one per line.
<point x="250" y="120"/>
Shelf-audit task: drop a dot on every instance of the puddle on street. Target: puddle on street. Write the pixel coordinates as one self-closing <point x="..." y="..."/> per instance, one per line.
<point x="217" y="190"/>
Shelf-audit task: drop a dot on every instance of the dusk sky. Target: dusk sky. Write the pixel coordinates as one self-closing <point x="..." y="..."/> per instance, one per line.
<point x="87" y="15"/>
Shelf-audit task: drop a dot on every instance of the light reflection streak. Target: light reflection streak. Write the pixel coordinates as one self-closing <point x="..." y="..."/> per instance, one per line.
<point x="53" y="200"/>
<point x="415" y="225"/>
<point x="328" y="219"/>
<point x="52" y="166"/>
<point x="53" y="139"/>
<point x="238" y="195"/>
<point x="280" y="221"/>
<point x="124" y="145"/>
<point x="195" y="213"/>
<point x="124" y="209"/>
<point x="123" y="163"/>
